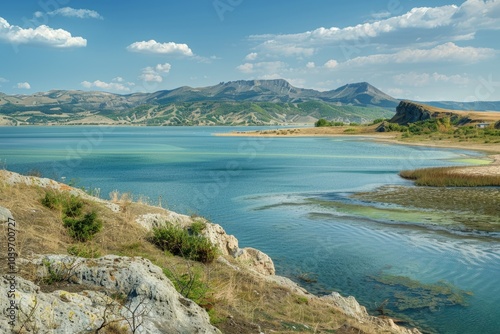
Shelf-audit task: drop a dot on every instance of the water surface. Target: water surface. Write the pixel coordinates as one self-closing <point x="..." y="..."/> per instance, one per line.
<point x="260" y="190"/>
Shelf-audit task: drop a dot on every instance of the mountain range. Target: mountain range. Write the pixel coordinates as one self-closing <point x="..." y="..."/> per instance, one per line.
<point x="242" y="102"/>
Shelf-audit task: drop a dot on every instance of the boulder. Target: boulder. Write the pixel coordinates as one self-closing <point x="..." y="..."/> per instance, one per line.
<point x="147" y="300"/>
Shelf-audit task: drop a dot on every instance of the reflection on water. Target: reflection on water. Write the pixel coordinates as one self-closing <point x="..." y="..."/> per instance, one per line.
<point x="273" y="195"/>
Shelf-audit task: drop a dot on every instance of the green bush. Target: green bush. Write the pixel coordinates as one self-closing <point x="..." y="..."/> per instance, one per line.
<point x="322" y="122"/>
<point x="51" y="200"/>
<point x="83" y="228"/>
<point x="80" y="228"/>
<point x="197" y="227"/>
<point x="180" y="242"/>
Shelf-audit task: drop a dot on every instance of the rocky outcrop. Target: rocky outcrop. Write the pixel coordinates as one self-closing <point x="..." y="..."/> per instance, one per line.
<point x="126" y="293"/>
<point x="410" y="112"/>
<point x="351" y="307"/>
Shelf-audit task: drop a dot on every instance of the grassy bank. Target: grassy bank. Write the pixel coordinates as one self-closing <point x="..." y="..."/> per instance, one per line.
<point x="449" y="177"/>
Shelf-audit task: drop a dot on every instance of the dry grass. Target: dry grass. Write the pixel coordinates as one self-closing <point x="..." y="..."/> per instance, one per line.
<point x="450" y="177"/>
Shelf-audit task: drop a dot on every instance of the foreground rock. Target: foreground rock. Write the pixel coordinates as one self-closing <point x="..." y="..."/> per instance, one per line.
<point x="125" y="294"/>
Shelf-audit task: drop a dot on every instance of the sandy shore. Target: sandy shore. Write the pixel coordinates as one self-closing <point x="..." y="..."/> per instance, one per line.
<point x="493" y="150"/>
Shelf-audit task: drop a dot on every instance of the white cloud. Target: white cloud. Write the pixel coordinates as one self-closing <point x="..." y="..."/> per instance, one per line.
<point x="155" y="74"/>
<point x="118" y="79"/>
<point x="153" y="46"/>
<point x="112" y="86"/>
<point x="23" y="85"/>
<point x="150" y="75"/>
<point x="422" y="79"/>
<point x="448" y="52"/>
<point x="42" y="35"/>
<point x="164" y="68"/>
<point x="72" y="12"/>
<point x="332" y="63"/>
<point x="3" y="80"/>
<point x="310" y="65"/>
<point x="421" y="25"/>
<point x="251" y="56"/>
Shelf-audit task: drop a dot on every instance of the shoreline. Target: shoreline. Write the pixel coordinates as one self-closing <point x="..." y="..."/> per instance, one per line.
<point x="380" y="137"/>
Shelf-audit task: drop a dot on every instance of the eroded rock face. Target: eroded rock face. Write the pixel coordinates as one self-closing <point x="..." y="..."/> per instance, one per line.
<point x="148" y="300"/>
<point x="409" y="112"/>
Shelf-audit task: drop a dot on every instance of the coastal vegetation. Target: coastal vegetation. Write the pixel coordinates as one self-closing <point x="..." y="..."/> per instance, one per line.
<point x="449" y="177"/>
<point x="186" y="243"/>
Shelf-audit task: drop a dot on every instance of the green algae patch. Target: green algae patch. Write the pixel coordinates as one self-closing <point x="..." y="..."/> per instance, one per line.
<point x="468" y="210"/>
<point x="407" y="294"/>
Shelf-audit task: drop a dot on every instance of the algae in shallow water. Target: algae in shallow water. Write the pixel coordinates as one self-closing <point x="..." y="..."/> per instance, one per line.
<point x="409" y="294"/>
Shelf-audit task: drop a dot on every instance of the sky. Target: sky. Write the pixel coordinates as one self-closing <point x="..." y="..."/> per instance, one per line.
<point x="415" y="49"/>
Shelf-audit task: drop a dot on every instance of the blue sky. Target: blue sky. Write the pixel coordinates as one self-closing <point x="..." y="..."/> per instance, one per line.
<point x="422" y="50"/>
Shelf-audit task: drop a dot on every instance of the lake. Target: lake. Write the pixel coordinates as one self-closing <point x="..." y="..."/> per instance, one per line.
<point x="266" y="191"/>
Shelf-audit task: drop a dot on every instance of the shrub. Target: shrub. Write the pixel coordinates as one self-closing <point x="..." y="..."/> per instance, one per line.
<point x="180" y="242"/>
<point x="51" y="200"/>
<point x="83" y="228"/>
<point x="80" y="228"/>
<point x="197" y="227"/>
<point x="322" y="122"/>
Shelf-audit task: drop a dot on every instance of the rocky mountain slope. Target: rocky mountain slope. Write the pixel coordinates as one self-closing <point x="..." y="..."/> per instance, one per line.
<point x="411" y="112"/>
<point x="60" y="293"/>
<point x="252" y="102"/>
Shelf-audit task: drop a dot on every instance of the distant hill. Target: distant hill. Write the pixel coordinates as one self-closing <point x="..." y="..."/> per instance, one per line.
<point x="243" y="102"/>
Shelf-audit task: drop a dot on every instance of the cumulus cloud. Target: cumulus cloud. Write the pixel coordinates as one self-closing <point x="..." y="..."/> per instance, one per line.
<point x="332" y="63"/>
<point x="42" y="35"/>
<point x="153" y="46"/>
<point x="310" y="65"/>
<point x="422" y="79"/>
<point x="72" y="12"/>
<point x="112" y="86"/>
<point x="118" y="79"/>
<point x="150" y="75"/>
<point x="155" y="74"/>
<point x="23" y="85"/>
<point x="432" y="25"/>
<point x="251" y="56"/>
<point x="448" y="52"/>
<point x="164" y="68"/>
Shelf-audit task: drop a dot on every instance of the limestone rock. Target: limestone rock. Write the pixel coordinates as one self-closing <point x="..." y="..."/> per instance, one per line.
<point x="351" y="307"/>
<point x="5" y="215"/>
<point x="257" y="261"/>
<point x="150" y="298"/>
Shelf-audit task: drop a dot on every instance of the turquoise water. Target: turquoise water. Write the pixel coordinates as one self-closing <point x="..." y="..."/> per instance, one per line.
<point x="257" y="189"/>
